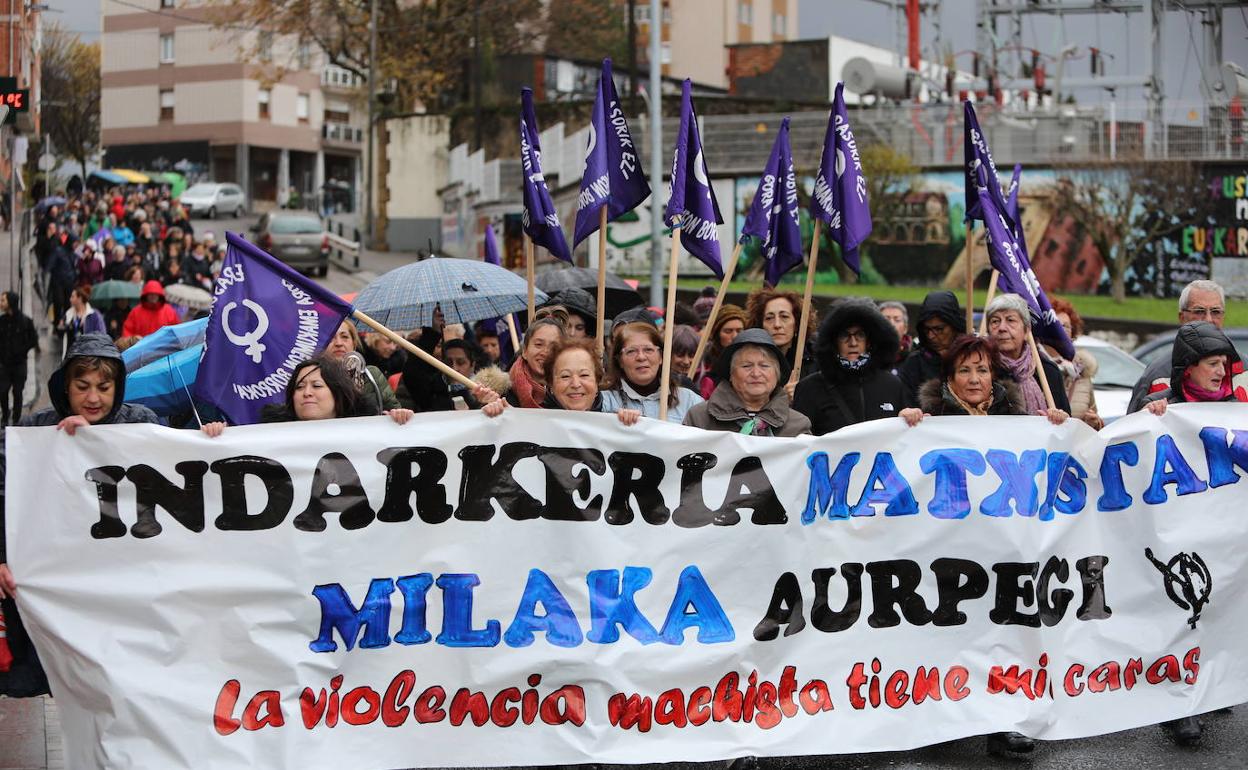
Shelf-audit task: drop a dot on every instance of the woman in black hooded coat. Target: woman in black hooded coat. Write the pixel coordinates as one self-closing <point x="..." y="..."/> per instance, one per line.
<point x="856" y="349"/>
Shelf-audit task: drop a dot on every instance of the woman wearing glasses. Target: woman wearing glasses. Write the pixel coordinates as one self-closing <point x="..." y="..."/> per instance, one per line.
<point x="633" y="375"/>
<point x="857" y="348"/>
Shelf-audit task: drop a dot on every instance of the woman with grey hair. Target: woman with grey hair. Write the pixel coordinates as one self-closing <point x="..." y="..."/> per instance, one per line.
<point x="899" y="317"/>
<point x="1009" y="323"/>
<point x="751" y="399"/>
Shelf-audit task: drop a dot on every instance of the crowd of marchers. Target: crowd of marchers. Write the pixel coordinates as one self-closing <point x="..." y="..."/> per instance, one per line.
<point x="867" y="361"/>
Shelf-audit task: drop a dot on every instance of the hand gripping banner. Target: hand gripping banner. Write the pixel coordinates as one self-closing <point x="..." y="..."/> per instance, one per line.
<point x="452" y="592"/>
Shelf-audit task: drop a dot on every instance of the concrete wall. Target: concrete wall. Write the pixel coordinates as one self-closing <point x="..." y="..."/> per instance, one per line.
<point x="418" y="161"/>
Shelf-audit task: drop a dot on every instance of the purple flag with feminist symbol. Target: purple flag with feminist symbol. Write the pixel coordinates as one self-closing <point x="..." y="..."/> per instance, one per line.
<point x="976" y="155"/>
<point x="840" y="196"/>
<point x="540" y="219"/>
<point x="266" y="319"/>
<point x="491" y="247"/>
<point x="613" y="175"/>
<point x="773" y="217"/>
<point x="1008" y="254"/>
<point x="692" y="202"/>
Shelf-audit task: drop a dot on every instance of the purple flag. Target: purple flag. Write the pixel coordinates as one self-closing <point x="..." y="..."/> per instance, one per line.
<point x="976" y="155"/>
<point x="692" y="201"/>
<point x="1011" y="201"/>
<point x="613" y="175"/>
<point x="266" y="319"/>
<point x="840" y="196"/>
<point x="491" y="247"/>
<point x="1008" y="253"/>
<point x="541" y="221"/>
<point x="773" y="216"/>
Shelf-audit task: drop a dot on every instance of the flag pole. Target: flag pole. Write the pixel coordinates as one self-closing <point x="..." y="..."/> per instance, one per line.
<point x="602" y="279"/>
<point x="528" y="269"/>
<point x="970" y="280"/>
<point x="1044" y="381"/>
<point x="719" y="300"/>
<point x="800" y="342"/>
<point x="992" y="290"/>
<point x="669" y="324"/>
<point x="511" y="326"/>
<point x="407" y="345"/>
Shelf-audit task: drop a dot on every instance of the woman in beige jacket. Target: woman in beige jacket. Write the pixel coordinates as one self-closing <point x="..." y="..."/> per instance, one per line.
<point x="1078" y="372"/>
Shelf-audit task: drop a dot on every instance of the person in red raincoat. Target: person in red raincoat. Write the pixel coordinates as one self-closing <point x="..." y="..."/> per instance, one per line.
<point x="151" y="313"/>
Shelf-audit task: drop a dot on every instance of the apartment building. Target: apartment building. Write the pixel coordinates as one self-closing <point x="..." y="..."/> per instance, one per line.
<point x="695" y="33"/>
<point x="181" y="93"/>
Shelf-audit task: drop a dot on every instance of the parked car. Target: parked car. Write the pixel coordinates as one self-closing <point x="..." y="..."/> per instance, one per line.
<point x="297" y="238"/>
<point x="1116" y="373"/>
<point x="213" y="198"/>
<point x="1162" y="344"/>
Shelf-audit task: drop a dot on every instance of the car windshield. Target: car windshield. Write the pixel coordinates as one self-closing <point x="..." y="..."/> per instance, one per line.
<point x="1115" y="368"/>
<point x="295" y="225"/>
<point x="199" y="190"/>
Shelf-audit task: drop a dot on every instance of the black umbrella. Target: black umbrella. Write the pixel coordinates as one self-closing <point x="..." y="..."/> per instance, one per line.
<point x="620" y="296"/>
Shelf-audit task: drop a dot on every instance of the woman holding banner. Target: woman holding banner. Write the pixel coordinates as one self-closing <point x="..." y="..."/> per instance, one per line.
<point x="779" y="313"/>
<point x="856" y="349"/>
<point x="572" y="370"/>
<point x="528" y="371"/>
<point x="1200" y="369"/>
<point x="1009" y="325"/>
<point x="88" y="389"/>
<point x="751" y="399"/>
<point x="633" y="375"/>
<point x="322" y="388"/>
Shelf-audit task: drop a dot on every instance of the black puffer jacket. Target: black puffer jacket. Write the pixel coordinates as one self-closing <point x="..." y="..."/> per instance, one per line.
<point x="1193" y="342"/>
<point x="935" y="399"/>
<point x="924" y="364"/>
<point x="835" y="396"/>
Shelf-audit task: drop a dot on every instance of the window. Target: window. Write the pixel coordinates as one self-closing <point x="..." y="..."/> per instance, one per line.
<point x="166" y="3"/>
<point x="337" y="111"/>
<point x="745" y="12"/>
<point x="301" y="108"/>
<point x="641" y="13"/>
<point x="264" y="103"/>
<point x="665" y="54"/>
<point x="778" y="25"/>
<point x="305" y="56"/>
<point x="166" y="48"/>
<point x="166" y="104"/>
<point x="265" y="46"/>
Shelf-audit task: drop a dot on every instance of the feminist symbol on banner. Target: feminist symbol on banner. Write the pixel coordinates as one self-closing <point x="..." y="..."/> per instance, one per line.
<point x="1188" y="574"/>
<point x="250" y="340"/>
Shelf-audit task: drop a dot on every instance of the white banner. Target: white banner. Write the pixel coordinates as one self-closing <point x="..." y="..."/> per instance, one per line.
<point x="557" y="588"/>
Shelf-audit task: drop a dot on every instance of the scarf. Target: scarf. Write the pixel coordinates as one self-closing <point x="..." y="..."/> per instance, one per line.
<point x="973" y="411"/>
<point x="1193" y="392"/>
<point x="1023" y="369"/>
<point x="854" y="366"/>
<point x="528" y="390"/>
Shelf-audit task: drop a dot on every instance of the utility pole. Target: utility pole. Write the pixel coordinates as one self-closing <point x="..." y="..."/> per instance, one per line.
<point x="372" y="120"/>
<point x="476" y="73"/>
<point x="632" y="56"/>
<point x="656" y="154"/>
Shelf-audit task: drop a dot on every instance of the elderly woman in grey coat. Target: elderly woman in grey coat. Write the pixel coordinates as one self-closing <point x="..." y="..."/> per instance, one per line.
<point x="1009" y="321"/>
<point x="751" y="398"/>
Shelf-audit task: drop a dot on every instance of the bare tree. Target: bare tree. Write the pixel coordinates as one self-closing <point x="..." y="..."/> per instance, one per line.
<point x="70" y="91"/>
<point x="1125" y="207"/>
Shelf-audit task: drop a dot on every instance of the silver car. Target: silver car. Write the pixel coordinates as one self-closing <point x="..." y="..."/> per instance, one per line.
<point x="297" y="238"/>
<point x="213" y="198"/>
<point x="1116" y="374"/>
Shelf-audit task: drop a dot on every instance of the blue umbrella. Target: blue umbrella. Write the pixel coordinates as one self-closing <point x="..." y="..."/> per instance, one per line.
<point x="163" y="342"/>
<point x="49" y="202"/>
<point x="465" y="289"/>
<point x="165" y="385"/>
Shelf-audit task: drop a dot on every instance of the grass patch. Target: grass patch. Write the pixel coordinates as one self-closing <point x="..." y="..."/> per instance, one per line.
<point x="1088" y="305"/>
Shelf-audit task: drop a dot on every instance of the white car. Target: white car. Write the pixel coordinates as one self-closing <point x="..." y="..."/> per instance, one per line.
<point x="1116" y="373"/>
<point x="213" y="198"/>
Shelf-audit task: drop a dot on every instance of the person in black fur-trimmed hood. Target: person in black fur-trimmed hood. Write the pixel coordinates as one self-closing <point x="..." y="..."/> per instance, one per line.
<point x="856" y="349"/>
<point x="1200" y="369"/>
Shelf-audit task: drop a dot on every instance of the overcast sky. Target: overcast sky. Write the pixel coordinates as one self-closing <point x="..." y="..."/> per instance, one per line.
<point x="1121" y="35"/>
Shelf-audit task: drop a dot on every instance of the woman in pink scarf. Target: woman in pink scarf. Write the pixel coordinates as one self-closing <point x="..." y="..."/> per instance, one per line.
<point x="1009" y="320"/>
<point x="1200" y="369"/>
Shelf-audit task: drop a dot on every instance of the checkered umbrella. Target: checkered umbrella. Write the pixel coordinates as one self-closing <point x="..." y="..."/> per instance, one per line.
<point x="465" y="289"/>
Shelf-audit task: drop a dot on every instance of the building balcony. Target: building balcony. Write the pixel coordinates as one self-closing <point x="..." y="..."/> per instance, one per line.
<point x="339" y="78"/>
<point x="341" y="135"/>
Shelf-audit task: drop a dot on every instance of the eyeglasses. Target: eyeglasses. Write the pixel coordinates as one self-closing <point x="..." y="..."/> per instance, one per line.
<point x="930" y="329"/>
<point x="1205" y="312"/>
<point x="646" y="350"/>
<point x="856" y="336"/>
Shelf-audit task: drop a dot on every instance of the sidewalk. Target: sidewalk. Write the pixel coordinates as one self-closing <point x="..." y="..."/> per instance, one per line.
<point x="30" y="735"/>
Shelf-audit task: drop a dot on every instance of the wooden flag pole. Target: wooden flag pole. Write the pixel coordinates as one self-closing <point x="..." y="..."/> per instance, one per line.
<point x="529" y="270"/>
<point x="407" y="345"/>
<point x="602" y="279"/>
<point x="515" y="336"/>
<point x="1044" y="381"/>
<point x="719" y="300"/>
<point x="992" y="291"/>
<point x="970" y="281"/>
<point x="669" y="325"/>
<point x="802" y="328"/>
